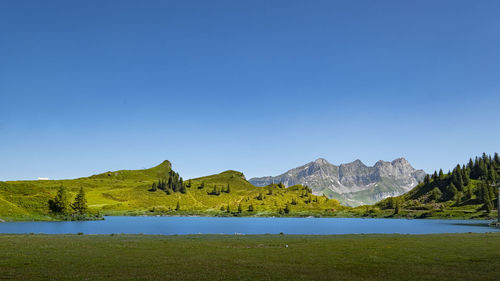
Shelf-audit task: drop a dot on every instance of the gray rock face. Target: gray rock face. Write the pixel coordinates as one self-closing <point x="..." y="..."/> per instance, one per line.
<point x="352" y="183"/>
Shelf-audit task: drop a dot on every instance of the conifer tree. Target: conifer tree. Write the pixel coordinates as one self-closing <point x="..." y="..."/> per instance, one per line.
<point x="178" y="207"/>
<point x="80" y="204"/>
<point x="286" y="209"/>
<point x="153" y="187"/>
<point x="240" y="208"/>
<point x="250" y="208"/>
<point x="459" y="198"/>
<point x="466" y="177"/>
<point x="397" y="206"/>
<point x="62" y="204"/>
<point x="441" y="175"/>
<point x="436" y="194"/>
<point x="493" y="174"/>
<point x="469" y="192"/>
<point x="470" y="165"/>
<point x="427" y="179"/>
<point x="453" y="191"/>
<point x="460" y="184"/>
<point x="228" y="189"/>
<point x="170" y="183"/>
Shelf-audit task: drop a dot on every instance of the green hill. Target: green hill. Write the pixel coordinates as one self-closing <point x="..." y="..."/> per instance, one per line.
<point x="469" y="191"/>
<point x="136" y="192"/>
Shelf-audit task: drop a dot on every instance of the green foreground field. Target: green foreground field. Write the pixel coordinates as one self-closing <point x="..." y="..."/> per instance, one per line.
<point x="243" y="257"/>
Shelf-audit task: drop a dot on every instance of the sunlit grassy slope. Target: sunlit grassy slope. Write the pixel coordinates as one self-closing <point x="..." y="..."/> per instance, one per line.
<point x="126" y="192"/>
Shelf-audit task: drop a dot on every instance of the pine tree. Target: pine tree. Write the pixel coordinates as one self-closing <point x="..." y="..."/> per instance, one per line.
<point x="80" y="204"/>
<point x="441" y="175"/>
<point x="240" y="208"/>
<point x="183" y="189"/>
<point x="453" y="191"/>
<point x="483" y="169"/>
<point x="459" y="198"/>
<point x="250" y="208"/>
<point x="61" y="202"/>
<point x="178" y="207"/>
<point x="153" y="187"/>
<point x="460" y="185"/>
<point x="287" y="209"/>
<point x="228" y="189"/>
<point x="466" y="177"/>
<point x="436" y="194"/>
<point x="170" y="183"/>
<point x="497" y="159"/>
<point x="493" y="175"/>
<point x="470" y="165"/>
<point x="397" y="206"/>
<point x="427" y="179"/>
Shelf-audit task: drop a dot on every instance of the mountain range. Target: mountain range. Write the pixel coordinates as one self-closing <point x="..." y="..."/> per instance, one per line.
<point x="354" y="183"/>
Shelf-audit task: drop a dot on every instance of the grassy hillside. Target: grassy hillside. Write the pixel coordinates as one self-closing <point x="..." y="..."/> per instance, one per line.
<point x="129" y="192"/>
<point x="248" y="257"/>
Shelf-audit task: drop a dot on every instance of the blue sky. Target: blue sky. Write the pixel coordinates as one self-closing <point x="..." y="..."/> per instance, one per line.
<point x="255" y="86"/>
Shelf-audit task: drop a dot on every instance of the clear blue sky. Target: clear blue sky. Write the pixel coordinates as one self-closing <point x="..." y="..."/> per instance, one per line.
<point x="256" y="86"/>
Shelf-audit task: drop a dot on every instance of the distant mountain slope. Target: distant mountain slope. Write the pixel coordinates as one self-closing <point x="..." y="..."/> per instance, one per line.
<point x="352" y="183"/>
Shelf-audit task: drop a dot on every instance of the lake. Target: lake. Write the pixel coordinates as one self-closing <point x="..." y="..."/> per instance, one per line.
<point x="248" y="225"/>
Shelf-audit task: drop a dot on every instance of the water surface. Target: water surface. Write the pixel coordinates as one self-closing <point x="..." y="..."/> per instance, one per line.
<point x="248" y="225"/>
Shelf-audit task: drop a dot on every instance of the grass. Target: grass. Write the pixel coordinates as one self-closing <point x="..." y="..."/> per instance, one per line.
<point x="126" y="192"/>
<point x="261" y="257"/>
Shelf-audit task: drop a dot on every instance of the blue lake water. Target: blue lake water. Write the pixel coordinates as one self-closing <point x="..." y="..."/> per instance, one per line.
<point x="248" y="225"/>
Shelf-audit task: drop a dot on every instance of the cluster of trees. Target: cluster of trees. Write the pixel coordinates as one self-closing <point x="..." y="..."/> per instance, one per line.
<point x="217" y="191"/>
<point x="174" y="183"/>
<point x="456" y="185"/>
<point x="61" y="204"/>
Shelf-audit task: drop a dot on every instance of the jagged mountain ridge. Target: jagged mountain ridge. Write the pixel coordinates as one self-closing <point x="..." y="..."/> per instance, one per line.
<point x="352" y="183"/>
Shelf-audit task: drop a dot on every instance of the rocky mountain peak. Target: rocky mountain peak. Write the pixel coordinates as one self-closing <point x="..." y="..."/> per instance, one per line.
<point x="400" y="161"/>
<point x="353" y="183"/>
<point x="321" y="161"/>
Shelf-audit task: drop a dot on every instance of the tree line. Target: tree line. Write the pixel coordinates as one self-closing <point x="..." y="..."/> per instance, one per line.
<point x="457" y="185"/>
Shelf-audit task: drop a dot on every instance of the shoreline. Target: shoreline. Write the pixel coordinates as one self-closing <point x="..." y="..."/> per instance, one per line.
<point x="48" y="218"/>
